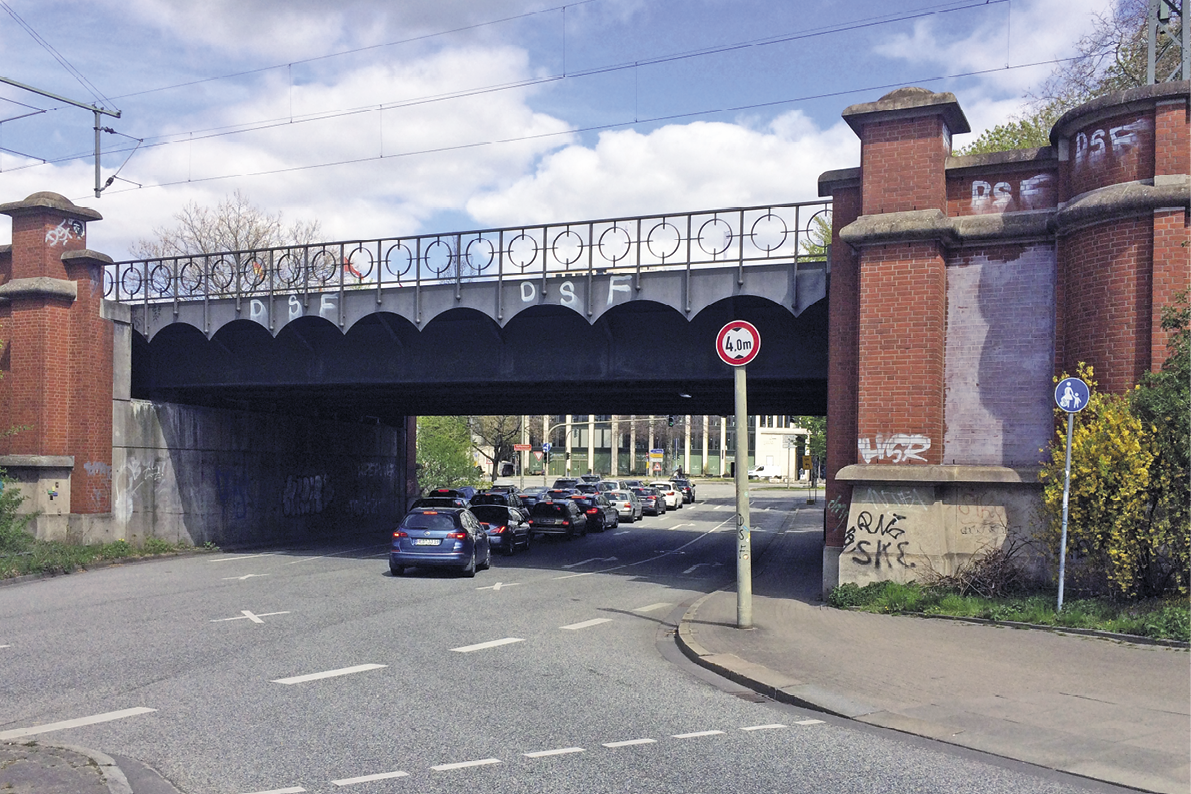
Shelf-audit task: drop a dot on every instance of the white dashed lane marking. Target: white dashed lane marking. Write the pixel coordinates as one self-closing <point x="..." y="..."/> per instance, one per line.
<point x="653" y="607"/>
<point x="301" y="679"/>
<point x="697" y="733"/>
<point x="351" y="781"/>
<point x="75" y="723"/>
<point x="809" y="722"/>
<point x="465" y="764"/>
<point x="763" y="727"/>
<point x="560" y="751"/>
<point x="586" y="624"/>
<point x="630" y="742"/>
<point x="480" y="646"/>
<point x="290" y="790"/>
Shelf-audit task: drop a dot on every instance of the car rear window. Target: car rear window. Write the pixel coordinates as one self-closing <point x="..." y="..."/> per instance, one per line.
<point x="490" y="499"/>
<point x="490" y="513"/>
<point x="429" y="521"/>
<point x="549" y="509"/>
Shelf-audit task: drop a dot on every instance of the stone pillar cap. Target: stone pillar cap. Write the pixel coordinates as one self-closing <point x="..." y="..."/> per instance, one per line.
<point x="908" y="102"/>
<point x="53" y="201"/>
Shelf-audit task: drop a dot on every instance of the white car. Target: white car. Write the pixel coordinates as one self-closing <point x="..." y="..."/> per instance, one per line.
<point x="765" y="472"/>
<point x="672" y="495"/>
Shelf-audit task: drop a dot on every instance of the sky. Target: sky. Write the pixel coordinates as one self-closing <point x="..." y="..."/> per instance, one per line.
<point x="379" y="119"/>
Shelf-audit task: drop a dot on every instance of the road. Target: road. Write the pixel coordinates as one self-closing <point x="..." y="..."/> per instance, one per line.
<point x="313" y="669"/>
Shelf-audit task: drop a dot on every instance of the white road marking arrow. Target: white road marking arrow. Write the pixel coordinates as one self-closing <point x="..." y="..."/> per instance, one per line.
<point x="246" y="615"/>
<point x="498" y="585"/>
<point x="593" y="559"/>
<point x="701" y="564"/>
<point x="242" y="578"/>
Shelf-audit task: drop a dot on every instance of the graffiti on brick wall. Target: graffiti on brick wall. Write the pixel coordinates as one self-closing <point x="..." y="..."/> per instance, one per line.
<point x="231" y="487"/>
<point x="307" y="495"/>
<point x="1099" y="146"/>
<point x="896" y="448"/>
<point x="98" y="487"/>
<point x="1036" y="192"/>
<point x="872" y="543"/>
<point x="64" y="232"/>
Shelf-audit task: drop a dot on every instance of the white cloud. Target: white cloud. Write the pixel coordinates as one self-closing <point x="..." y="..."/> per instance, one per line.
<point x="677" y="167"/>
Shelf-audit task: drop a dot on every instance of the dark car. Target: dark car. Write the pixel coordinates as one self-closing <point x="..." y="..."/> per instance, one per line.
<point x="439" y="501"/>
<point x="560" y="517"/>
<point x="589" y="477"/>
<point x="450" y="537"/>
<point x="601" y="514"/>
<point x="686" y="488"/>
<point x="500" y="497"/>
<point x="652" y="501"/>
<point x="507" y="527"/>
<point x="565" y="482"/>
<point x="531" y="496"/>
<point x="587" y="487"/>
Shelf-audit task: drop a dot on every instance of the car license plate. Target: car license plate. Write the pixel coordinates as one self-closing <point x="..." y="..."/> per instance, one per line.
<point x="545" y="521"/>
<point x="426" y="542"/>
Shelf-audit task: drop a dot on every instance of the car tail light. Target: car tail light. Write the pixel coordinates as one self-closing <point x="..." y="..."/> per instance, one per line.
<point x="430" y="513"/>
<point x="457" y="535"/>
<point x="592" y="511"/>
<point x="400" y="534"/>
<point x="566" y="523"/>
<point x="500" y="530"/>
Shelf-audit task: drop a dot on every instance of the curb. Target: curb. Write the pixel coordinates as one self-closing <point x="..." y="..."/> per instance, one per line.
<point x="112" y="774"/>
<point x="101" y="564"/>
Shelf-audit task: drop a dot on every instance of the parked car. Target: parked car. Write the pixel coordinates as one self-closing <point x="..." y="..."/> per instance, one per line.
<point x="601" y="514"/>
<point x="652" y="501"/>
<point x="766" y="471"/>
<point x="672" y="495"/>
<point x="686" y="487"/>
<point x="627" y="505"/>
<point x="562" y="517"/>
<point x="449" y="537"/>
<point x="507" y="527"/>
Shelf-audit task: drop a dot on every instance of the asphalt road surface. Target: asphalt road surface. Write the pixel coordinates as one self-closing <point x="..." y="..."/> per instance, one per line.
<point x="313" y="669"/>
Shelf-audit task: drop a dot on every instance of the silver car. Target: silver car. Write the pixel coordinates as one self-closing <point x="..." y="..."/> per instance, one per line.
<point x="627" y="505"/>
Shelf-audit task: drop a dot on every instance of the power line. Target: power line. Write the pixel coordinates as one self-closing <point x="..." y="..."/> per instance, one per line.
<point x="83" y="81"/>
<point x="265" y="124"/>
<point x="596" y="128"/>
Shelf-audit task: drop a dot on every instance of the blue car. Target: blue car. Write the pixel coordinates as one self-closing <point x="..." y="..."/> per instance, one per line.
<point x="442" y="537"/>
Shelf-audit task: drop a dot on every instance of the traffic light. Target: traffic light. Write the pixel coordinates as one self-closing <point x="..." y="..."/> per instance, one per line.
<point x="670" y="421"/>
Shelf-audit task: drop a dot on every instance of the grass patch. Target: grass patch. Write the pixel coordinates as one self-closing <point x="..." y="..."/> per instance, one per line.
<point x="1168" y="618"/>
<point x="21" y="554"/>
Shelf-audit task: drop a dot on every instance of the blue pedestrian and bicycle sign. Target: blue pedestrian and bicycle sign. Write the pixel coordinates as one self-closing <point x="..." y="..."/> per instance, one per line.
<point x="1072" y="395"/>
<point x="546" y="447"/>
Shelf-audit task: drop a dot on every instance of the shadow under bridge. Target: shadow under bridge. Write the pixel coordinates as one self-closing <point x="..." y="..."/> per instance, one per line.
<point x="614" y="316"/>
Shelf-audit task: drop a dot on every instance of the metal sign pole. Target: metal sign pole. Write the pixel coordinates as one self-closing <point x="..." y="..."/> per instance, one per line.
<point x="744" y="564"/>
<point x="1066" y="494"/>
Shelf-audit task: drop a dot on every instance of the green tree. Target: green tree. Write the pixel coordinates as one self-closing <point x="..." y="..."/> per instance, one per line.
<point x="1162" y="401"/>
<point x="444" y="453"/>
<point x="1110" y="58"/>
<point x="1111" y="458"/>
<point x="497" y="433"/>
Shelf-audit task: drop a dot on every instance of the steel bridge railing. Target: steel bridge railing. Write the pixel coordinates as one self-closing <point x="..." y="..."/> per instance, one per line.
<point x="776" y="233"/>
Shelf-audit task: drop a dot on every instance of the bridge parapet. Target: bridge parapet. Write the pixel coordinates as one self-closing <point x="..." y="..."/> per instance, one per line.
<point x="686" y="260"/>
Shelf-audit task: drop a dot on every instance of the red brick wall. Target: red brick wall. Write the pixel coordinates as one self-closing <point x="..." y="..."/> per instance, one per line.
<point x="1172" y="150"/>
<point x="902" y="347"/>
<point x="903" y="162"/>
<point x="1172" y="272"/>
<point x="90" y="394"/>
<point x="1105" y="301"/>
<point x="983" y="194"/>
<point x="1120" y="149"/>
<point x="842" y="363"/>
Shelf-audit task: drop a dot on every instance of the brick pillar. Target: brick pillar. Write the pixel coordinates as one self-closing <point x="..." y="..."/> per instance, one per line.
<point x="1172" y="262"/>
<point x="902" y="285"/>
<point x="57" y="347"/>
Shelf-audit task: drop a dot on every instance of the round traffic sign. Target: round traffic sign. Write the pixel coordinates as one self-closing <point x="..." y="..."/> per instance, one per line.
<point x="1072" y="395"/>
<point x="738" y="343"/>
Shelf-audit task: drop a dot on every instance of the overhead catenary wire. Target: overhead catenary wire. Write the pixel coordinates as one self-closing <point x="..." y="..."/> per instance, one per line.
<point x="212" y="132"/>
<point x="83" y="81"/>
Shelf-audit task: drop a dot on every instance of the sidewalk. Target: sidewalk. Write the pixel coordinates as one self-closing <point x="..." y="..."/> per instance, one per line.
<point x="33" y="767"/>
<point x="1112" y="711"/>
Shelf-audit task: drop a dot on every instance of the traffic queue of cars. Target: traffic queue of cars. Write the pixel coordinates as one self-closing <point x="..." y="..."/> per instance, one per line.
<point x="451" y="528"/>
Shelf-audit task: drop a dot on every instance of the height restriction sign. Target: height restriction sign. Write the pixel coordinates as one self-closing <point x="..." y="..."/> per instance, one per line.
<point x="738" y="343"/>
